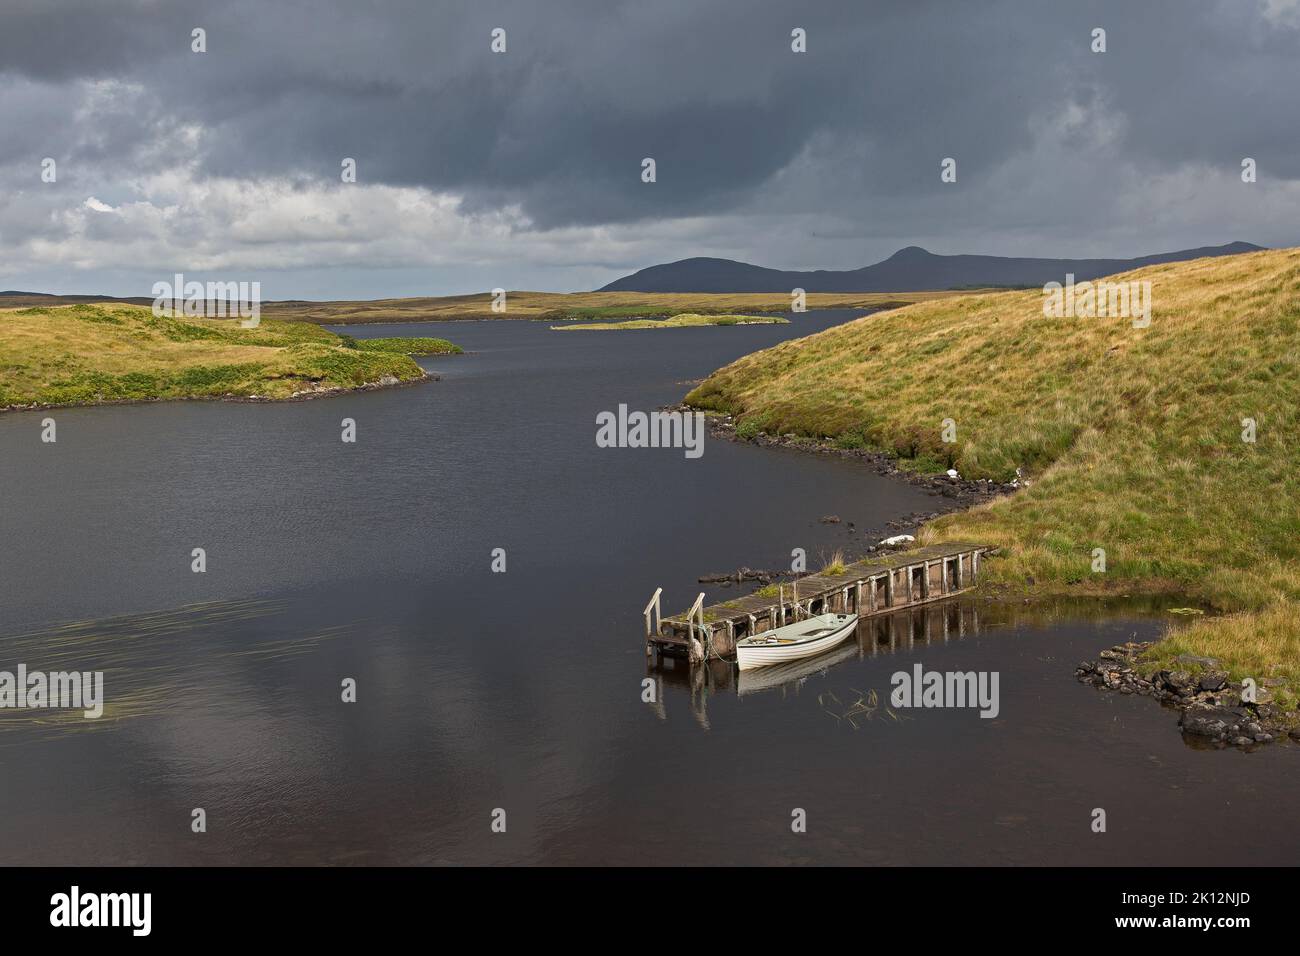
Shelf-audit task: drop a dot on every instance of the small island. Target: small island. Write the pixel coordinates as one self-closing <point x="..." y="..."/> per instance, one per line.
<point x="90" y="354"/>
<point x="682" y="320"/>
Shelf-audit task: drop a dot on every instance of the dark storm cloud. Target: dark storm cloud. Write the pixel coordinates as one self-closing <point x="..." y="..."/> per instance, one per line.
<point x="560" y="123"/>
<point x="523" y="169"/>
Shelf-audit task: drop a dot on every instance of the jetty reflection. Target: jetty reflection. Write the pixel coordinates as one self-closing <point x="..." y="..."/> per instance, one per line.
<point x="882" y="634"/>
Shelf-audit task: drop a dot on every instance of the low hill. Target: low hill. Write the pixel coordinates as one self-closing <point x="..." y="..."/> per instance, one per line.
<point x="88" y="354"/>
<point x="1132" y="438"/>
<point x="908" y="270"/>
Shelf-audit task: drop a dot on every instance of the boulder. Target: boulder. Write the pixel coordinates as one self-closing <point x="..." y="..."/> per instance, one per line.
<point x="1213" y="682"/>
<point x="1207" y="721"/>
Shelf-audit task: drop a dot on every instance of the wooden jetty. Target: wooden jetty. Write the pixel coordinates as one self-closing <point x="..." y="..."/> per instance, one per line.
<point x="874" y="586"/>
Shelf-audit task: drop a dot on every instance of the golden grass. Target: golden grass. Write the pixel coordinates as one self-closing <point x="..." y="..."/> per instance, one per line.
<point x="1132" y="437"/>
<point x="554" y="306"/>
<point x="684" y="320"/>
<point x="836" y="564"/>
<point x="84" y="354"/>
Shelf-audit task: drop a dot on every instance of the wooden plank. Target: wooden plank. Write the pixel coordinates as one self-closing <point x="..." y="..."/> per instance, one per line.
<point x="823" y="586"/>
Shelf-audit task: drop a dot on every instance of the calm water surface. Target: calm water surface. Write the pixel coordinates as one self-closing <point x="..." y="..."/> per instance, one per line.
<point x="522" y="690"/>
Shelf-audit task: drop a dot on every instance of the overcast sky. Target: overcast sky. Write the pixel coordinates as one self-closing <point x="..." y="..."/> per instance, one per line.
<point x="522" y="169"/>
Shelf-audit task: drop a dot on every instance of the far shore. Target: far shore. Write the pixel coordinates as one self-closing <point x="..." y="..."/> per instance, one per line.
<point x="541" y="306"/>
<point x="101" y="354"/>
<point x="682" y="321"/>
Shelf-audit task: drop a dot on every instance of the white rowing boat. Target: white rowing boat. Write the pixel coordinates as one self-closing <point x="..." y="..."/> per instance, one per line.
<point x="795" y="641"/>
<point x="792" y="675"/>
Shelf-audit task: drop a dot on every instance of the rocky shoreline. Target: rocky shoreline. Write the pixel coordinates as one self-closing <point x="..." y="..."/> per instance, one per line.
<point x="957" y="493"/>
<point x="1211" y="709"/>
<point x="1211" y="705"/>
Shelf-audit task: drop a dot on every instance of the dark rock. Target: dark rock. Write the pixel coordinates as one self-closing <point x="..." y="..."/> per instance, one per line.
<point x="1213" y="682"/>
<point x="1207" y="721"/>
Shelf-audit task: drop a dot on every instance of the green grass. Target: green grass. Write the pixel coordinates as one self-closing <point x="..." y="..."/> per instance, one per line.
<point x="1131" y="437"/>
<point x="416" y="345"/>
<point x="563" y="306"/>
<point x="93" y="353"/>
<point x="835" y="565"/>
<point x="683" y="320"/>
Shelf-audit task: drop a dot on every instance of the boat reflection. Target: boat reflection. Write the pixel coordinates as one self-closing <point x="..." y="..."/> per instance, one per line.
<point x="881" y="634"/>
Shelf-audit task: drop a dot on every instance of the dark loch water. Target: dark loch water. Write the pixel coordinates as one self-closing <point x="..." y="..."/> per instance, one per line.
<point x="523" y="690"/>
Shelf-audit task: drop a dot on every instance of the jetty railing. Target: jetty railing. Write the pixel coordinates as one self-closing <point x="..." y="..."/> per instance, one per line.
<point x="872" y="586"/>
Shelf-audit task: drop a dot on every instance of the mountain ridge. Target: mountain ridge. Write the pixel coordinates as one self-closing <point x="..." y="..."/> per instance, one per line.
<point x="910" y="269"/>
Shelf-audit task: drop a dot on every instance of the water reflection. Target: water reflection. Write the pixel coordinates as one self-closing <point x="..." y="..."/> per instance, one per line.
<point x="904" y="631"/>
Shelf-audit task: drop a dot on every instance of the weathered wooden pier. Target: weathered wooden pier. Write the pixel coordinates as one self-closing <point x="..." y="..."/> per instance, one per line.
<point x="874" y="586"/>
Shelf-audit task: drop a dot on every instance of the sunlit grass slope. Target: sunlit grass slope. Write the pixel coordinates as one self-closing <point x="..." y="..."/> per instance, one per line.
<point x="83" y="354"/>
<point x="1132" y="437"/>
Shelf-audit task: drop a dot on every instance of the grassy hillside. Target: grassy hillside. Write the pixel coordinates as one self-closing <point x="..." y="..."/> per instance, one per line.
<point x="685" y="320"/>
<point x="1132" y="438"/>
<point x="554" y="306"/>
<point x="84" y="354"/>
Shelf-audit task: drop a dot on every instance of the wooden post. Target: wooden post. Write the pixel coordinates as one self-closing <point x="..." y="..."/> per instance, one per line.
<point x="654" y="604"/>
<point x="652" y="630"/>
<point x="889" y="588"/>
<point x="697" y="610"/>
<point x="857" y="599"/>
<point x="925" y="580"/>
<point x="974" y="565"/>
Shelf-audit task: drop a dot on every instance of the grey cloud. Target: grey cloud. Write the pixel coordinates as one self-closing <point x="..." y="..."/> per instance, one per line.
<point x="738" y="124"/>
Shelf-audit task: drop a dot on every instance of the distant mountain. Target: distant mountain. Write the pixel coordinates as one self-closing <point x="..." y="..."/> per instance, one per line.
<point x="10" y="299"/>
<point x="908" y="270"/>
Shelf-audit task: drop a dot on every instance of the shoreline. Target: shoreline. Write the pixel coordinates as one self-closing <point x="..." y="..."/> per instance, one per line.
<point x="1210" y="703"/>
<point x="1211" y="706"/>
<point x="960" y="493"/>
<point x="306" y="395"/>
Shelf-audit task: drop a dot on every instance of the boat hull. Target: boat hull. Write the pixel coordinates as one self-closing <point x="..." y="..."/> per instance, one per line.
<point x="795" y="641"/>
